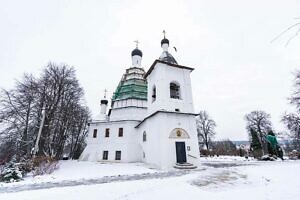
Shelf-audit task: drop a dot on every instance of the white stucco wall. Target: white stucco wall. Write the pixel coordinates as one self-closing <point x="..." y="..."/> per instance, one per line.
<point x="130" y="102"/>
<point x="159" y="148"/>
<point x="128" y="113"/>
<point x="128" y="144"/>
<point x="161" y="77"/>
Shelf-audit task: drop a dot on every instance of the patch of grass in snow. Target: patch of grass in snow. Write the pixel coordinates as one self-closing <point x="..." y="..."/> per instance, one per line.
<point x="223" y="178"/>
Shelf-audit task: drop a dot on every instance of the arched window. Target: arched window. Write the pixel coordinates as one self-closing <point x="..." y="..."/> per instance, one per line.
<point x="153" y="93"/>
<point x="144" y="136"/>
<point x="174" y="90"/>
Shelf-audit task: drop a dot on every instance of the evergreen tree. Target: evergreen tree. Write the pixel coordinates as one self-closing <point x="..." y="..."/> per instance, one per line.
<point x="11" y="173"/>
<point x="259" y="121"/>
<point x="272" y="143"/>
<point x="255" y="144"/>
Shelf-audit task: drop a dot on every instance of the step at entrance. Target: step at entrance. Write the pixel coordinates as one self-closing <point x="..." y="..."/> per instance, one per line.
<point x="185" y="166"/>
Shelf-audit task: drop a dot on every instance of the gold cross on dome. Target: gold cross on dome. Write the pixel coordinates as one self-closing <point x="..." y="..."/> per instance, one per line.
<point x="164" y="32"/>
<point x="136" y="43"/>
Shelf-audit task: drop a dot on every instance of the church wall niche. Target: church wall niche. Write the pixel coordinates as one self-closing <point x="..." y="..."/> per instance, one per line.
<point x="179" y="133"/>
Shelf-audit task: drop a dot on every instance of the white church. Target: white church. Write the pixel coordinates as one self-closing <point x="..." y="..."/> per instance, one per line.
<point x="151" y="119"/>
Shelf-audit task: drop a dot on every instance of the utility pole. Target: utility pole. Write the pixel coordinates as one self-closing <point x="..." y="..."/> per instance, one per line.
<point x="36" y="147"/>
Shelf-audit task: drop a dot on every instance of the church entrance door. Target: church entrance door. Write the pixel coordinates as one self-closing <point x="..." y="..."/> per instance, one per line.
<point x="180" y="152"/>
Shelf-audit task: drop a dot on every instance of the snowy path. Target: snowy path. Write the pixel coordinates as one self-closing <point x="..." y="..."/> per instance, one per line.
<point x="106" y="179"/>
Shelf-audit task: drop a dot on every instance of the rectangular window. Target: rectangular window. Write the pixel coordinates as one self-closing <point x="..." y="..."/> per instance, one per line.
<point x="144" y="136"/>
<point x="107" y="132"/>
<point x="105" y="155"/>
<point x="118" y="155"/>
<point x="174" y="91"/>
<point x="120" y="132"/>
<point x="95" y="133"/>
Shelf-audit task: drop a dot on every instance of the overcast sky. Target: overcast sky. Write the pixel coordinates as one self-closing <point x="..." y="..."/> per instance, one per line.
<point x="237" y="68"/>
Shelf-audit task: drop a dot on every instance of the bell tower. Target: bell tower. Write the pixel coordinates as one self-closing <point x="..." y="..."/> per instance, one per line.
<point x="169" y="84"/>
<point x="170" y="121"/>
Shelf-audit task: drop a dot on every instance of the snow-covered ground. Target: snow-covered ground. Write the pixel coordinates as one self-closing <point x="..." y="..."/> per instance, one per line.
<point x="255" y="181"/>
<point x="75" y="170"/>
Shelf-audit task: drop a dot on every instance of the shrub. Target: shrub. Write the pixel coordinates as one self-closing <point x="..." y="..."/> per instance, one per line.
<point x="294" y="155"/>
<point x="225" y="147"/>
<point x="10" y="173"/>
<point x="25" y="166"/>
<point x="44" y="165"/>
<point x="204" y="152"/>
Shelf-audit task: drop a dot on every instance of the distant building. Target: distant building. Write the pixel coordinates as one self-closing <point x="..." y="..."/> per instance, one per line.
<point x="245" y="144"/>
<point x="151" y="118"/>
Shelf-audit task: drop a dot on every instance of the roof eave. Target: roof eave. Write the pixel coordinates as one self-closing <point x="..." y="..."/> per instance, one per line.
<point x="164" y="111"/>
<point x="163" y="62"/>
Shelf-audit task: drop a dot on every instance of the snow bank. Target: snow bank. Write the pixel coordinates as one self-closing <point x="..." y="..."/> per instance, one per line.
<point x="76" y="170"/>
<point x="225" y="159"/>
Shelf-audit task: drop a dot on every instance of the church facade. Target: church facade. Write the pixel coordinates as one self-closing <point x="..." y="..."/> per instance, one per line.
<point x="151" y="118"/>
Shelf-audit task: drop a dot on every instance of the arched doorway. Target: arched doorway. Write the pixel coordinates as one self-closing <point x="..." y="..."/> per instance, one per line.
<point x="179" y="133"/>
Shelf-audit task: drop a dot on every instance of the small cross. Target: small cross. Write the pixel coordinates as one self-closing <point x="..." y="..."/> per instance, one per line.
<point x="105" y="91"/>
<point x="164" y="32"/>
<point x="137" y="43"/>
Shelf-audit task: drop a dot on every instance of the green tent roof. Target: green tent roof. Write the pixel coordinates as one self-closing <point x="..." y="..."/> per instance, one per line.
<point x="132" y="85"/>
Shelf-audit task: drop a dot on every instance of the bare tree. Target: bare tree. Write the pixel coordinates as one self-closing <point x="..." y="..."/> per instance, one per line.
<point x="259" y="122"/>
<point x="205" y="128"/>
<point x="292" y="120"/>
<point x="295" y="98"/>
<point x="16" y="112"/>
<point x="294" y="27"/>
<point x="292" y="123"/>
<point x="66" y="116"/>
